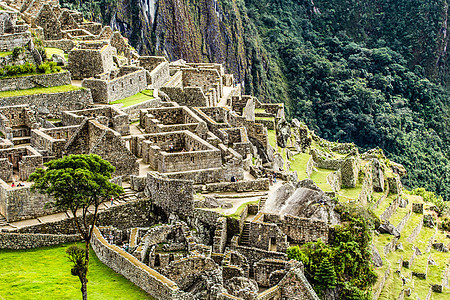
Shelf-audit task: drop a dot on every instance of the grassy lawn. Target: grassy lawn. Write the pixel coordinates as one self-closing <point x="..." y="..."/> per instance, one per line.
<point x="351" y="193"/>
<point x="320" y="179"/>
<point x="298" y="163"/>
<point x="5" y="53"/>
<point x="385" y="204"/>
<point x="50" y="51"/>
<point x="239" y="210"/>
<point x="272" y="138"/>
<point x="44" y="273"/>
<point x="49" y="90"/>
<point x="135" y="99"/>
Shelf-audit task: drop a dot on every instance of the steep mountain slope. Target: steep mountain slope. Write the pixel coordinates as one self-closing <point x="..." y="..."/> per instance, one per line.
<point x="362" y="71"/>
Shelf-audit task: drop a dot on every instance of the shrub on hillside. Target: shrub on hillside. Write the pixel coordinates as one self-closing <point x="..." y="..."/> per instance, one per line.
<point x="48" y="67"/>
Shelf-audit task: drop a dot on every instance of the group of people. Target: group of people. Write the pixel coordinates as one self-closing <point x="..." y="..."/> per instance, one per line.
<point x="20" y="184"/>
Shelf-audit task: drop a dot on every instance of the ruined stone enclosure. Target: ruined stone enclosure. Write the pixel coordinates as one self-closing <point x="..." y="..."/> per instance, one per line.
<point x="90" y="58"/>
<point x="168" y="119"/>
<point x="179" y="151"/>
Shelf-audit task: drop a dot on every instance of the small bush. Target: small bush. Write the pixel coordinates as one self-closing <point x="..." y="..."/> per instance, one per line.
<point x="26" y="68"/>
<point x="445" y="224"/>
<point x="48" y="67"/>
<point x="17" y="51"/>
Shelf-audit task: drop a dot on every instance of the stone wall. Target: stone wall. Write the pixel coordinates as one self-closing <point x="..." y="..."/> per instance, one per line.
<point x="19" y="241"/>
<point x="133" y="111"/>
<point x="53" y="103"/>
<point x="20" y="203"/>
<point x="110" y="90"/>
<point x="254" y="255"/>
<point x="349" y="172"/>
<point x="189" y="96"/>
<point x="131" y="214"/>
<point x="261" y="184"/>
<point x="93" y="137"/>
<point x="304" y="230"/>
<point x="267" y="235"/>
<point x="157" y="69"/>
<point x="33" y="81"/>
<point x="88" y="60"/>
<point x="415" y="232"/>
<point x="115" y="118"/>
<point x="325" y="163"/>
<point x="64" y="44"/>
<point x="162" y="191"/>
<point x="10" y="41"/>
<point x="155" y="284"/>
<point x="388" y="212"/>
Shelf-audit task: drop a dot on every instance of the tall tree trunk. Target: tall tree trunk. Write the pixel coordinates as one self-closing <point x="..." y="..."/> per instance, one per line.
<point x="84" y="287"/>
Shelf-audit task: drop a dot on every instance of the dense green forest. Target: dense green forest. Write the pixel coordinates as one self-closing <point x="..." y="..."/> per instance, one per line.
<point x="352" y="87"/>
<point x="370" y="72"/>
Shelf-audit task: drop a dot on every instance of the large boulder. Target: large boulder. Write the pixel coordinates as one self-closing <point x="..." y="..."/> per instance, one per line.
<point x="388" y="228"/>
<point x="278" y="162"/>
<point x="377" y="176"/>
<point x="283" y="131"/>
<point x="304" y="200"/>
<point x="242" y="287"/>
<point x="376" y="257"/>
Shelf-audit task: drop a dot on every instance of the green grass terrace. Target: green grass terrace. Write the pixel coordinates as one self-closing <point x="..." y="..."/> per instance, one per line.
<point x="143" y="96"/>
<point x="48" y="90"/>
<point x="44" y="273"/>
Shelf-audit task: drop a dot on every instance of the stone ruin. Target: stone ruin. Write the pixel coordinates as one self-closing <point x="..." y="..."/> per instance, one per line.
<point x="186" y="157"/>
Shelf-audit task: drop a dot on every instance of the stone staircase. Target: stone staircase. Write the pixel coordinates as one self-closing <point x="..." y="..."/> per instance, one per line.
<point x="128" y="196"/>
<point x="262" y="203"/>
<point x="245" y="234"/>
<point x="3" y="221"/>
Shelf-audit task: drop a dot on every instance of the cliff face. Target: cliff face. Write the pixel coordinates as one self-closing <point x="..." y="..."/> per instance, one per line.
<point x="195" y="31"/>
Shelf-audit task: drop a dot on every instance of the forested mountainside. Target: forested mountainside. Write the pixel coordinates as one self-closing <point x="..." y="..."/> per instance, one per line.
<point x="373" y="72"/>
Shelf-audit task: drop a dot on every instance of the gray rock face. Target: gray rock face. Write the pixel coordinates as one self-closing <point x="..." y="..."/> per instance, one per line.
<point x="59" y="60"/>
<point x="403" y="202"/>
<point x="440" y="247"/>
<point x="242" y="287"/>
<point x="249" y="110"/>
<point x="283" y="130"/>
<point x="303" y="200"/>
<point x="376" y="257"/>
<point x="389" y="229"/>
<point x="429" y="221"/>
<point x="211" y="202"/>
<point x="378" y="177"/>
<point x="278" y="162"/>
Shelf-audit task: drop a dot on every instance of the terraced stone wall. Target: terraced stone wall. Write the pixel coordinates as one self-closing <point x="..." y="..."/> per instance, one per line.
<point x="52" y="103"/>
<point x="33" y="81"/>
<point x="19" y="241"/>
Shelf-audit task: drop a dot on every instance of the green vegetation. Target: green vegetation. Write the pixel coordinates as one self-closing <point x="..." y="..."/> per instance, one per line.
<point x="44" y="273"/>
<point x="143" y="96"/>
<point x="27" y="69"/>
<point x="298" y="163"/>
<point x="272" y="138"/>
<point x="349" y="255"/>
<point x="49" y="90"/>
<point x="50" y="51"/>
<point x="74" y="183"/>
<point x="347" y="85"/>
<point x="237" y="213"/>
<point x="5" y="53"/>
